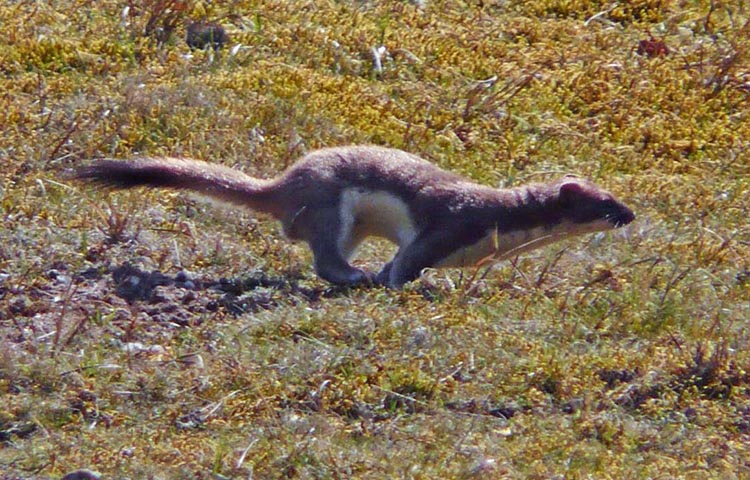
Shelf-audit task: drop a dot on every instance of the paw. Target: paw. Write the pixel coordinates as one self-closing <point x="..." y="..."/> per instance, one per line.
<point x="359" y="277"/>
<point x="365" y="278"/>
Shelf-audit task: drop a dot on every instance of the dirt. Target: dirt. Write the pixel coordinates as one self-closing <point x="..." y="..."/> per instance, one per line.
<point x="61" y="304"/>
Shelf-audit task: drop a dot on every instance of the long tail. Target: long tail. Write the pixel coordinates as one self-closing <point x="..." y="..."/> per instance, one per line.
<point x="215" y="181"/>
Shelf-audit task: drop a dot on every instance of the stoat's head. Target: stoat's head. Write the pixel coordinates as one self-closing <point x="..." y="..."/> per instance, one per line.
<point x="589" y="207"/>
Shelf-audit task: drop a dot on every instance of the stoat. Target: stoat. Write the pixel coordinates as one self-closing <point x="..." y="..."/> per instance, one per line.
<point x="334" y="198"/>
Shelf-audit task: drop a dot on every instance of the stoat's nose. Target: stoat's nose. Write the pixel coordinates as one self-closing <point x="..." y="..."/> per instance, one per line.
<point x="624" y="217"/>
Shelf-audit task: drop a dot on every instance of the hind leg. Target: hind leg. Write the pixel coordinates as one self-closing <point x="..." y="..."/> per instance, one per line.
<point x="330" y="264"/>
<point x="326" y="237"/>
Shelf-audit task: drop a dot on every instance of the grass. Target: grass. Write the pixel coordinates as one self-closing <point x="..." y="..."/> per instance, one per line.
<point x="614" y="356"/>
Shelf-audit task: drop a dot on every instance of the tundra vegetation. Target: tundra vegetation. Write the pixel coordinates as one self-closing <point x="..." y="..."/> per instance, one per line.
<point x="152" y="335"/>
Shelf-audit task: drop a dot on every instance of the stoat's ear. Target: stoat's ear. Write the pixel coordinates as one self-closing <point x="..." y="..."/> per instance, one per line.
<point x="570" y="192"/>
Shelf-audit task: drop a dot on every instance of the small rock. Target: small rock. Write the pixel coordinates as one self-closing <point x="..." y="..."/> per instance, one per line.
<point x="52" y="273"/>
<point x="483" y="467"/>
<point x="191" y="420"/>
<point x="190" y="296"/>
<point x="21" y="306"/>
<point x="181" y="277"/>
<point x="206" y="34"/>
<point x="134" y="284"/>
<point x="127" y="452"/>
<point x="572" y="406"/>
<point x="83" y="474"/>
<point x="652" y="48"/>
<point x="191" y="360"/>
<point x="138" y="347"/>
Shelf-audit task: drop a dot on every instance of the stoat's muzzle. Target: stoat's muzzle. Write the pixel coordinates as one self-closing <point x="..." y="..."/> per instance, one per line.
<point x="622" y="217"/>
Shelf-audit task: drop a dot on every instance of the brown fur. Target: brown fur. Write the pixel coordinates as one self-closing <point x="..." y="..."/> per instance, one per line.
<point x="333" y="198"/>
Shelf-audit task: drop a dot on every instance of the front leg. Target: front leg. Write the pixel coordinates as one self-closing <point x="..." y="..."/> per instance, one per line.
<point x="382" y="277"/>
<point x="427" y="250"/>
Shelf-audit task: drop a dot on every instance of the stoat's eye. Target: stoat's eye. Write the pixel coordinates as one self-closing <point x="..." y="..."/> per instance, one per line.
<point x="608" y="206"/>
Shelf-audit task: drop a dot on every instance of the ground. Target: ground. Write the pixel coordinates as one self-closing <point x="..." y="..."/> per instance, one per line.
<point x="152" y="335"/>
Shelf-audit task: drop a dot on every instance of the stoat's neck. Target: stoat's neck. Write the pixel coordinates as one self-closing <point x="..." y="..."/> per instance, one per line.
<point x="527" y="207"/>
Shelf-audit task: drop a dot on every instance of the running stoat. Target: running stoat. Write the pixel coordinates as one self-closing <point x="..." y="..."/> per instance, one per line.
<point x="336" y="197"/>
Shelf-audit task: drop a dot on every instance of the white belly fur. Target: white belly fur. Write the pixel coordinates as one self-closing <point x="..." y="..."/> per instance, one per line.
<point x="494" y="246"/>
<point x="366" y="213"/>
